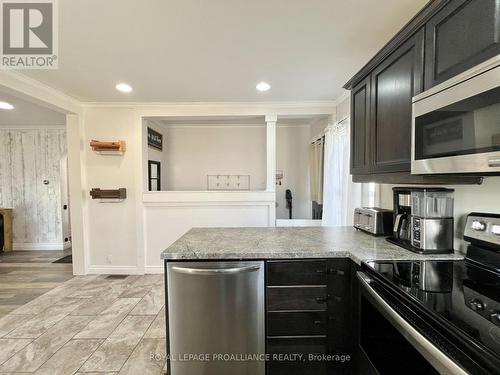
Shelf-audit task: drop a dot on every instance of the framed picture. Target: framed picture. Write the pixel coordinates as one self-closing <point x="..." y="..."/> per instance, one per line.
<point x="155" y="139"/>
<point x="154" y="175"/>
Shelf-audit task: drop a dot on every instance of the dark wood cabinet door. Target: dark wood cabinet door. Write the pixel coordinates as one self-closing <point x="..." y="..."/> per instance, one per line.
<point x="461" y="35"/>
<point x="394" y="82"/>
<point x="360" y="124"/>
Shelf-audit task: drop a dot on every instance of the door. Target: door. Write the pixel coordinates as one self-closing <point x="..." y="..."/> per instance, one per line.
<point x="154" y="175"/>
<point x="65" y="213"/>
<point x="394" y="82"/>
<point x="461" y="35"/>
<point x="360" y="126"/>
<point x="217" y="309"/>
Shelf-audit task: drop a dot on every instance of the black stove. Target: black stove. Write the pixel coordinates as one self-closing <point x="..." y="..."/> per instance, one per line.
<point x="454" y="304"/>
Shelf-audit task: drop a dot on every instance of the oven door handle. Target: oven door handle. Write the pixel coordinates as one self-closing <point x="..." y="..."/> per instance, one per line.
<point x="429" y="351"/>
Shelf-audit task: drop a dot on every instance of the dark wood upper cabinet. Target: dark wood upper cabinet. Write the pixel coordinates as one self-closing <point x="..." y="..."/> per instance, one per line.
<point x="461" y="35"/>
<point x="444" y="39"/>
<point x="394" y="82"/>
<point x="360" y="126"/>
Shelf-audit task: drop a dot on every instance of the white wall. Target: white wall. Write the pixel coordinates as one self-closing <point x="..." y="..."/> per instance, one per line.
<point x="191" y="152"/>
<point x="157" y="155"/>
<point x="468" y="198"/>
<point x="168" y="215"/>
<point x="318" y="127"/>
<point x="27" y="158"/>
<point x="112" y="235"/>
<point x="292" y="157"/>
<point x="128" y="237"/>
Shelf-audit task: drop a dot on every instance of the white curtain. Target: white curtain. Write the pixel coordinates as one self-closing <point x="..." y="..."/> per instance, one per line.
<point x="340" y="194"/>
<point x="316" y="167"/>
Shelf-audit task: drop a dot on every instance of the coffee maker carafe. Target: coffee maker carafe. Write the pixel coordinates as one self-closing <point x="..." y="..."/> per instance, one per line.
<point x="402" y="215"/>
<point x="423" y="220"/>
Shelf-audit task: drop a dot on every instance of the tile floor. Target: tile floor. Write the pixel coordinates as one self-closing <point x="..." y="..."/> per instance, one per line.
<point x="88" y="325"/>
<point x="25" y="275"/>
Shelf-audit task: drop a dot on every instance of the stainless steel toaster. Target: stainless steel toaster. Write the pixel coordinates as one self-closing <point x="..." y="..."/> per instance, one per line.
<point x="373" y="220"/>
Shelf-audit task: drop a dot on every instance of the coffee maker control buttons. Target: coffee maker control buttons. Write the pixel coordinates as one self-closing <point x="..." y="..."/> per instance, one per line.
<point x="495" y="229"/>
<point x="478" y="226"/>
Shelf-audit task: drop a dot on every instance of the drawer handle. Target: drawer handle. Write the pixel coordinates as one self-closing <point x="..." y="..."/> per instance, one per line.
<point x="337" y="272"/>
<point x="321" y="300"/>
<point x="321" y="271"/>
<point x="317" y="322"/>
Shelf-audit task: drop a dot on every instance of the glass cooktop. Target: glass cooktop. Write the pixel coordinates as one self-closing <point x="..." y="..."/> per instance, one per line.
<point x="463" y="293"/>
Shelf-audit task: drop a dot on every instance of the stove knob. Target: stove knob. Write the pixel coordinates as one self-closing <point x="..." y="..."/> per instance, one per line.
<point x="495" y="229"/>
<point x="476" y="305"/>
<point x="495" y="317"/>
<point x="478" y="225"/>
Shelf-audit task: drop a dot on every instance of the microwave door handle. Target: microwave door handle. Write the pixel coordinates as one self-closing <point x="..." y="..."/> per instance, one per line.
<point x="429" y="351"/>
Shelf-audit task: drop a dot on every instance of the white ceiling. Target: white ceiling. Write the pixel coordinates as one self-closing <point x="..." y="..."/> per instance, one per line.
<point x="27" y="114"/>
<point x="217" y="50"/>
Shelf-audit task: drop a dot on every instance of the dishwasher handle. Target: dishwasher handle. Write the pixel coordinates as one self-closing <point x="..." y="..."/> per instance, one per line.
<point x="215" y="271"/>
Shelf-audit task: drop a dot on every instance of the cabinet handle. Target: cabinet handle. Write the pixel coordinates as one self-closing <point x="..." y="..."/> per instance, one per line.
<point x="337" y="272"/>
<point x="321" y="299"/>
<point x="317" y="322"/>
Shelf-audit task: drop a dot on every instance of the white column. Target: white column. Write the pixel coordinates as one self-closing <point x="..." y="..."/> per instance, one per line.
<point x="271" y="152"/>
<point x="76" y="185"/>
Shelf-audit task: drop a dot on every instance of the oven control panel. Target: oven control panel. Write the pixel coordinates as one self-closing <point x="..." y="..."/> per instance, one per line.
<point x="483" y="227"/>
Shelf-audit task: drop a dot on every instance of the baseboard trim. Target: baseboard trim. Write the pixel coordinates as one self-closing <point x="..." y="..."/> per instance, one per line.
<point x="112" y="270"/>
<point x="20" y="246"/>
<point x="153" y="269"/>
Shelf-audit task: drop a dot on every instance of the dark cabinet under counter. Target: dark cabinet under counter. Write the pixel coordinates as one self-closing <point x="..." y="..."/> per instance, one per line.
<point x="307" y="315"/>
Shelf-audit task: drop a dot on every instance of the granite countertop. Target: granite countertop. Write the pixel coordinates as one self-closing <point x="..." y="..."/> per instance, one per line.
<point x="288" y="243"/>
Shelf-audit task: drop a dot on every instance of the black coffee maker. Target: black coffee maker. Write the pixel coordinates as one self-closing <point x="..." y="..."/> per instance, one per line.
<point x="423" y="219"/>
<point x="402" y="215"/>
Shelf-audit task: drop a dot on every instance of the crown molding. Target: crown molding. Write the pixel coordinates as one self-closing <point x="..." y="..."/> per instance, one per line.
<point x="345" y="94"/>
<point x="33" y="127"/>
<point x="38" y="92"/>
<point x="305" y="108"/>
<point x="317" y="103"/>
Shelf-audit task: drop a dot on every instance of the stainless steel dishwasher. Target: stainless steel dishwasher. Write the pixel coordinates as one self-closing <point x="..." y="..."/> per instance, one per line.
<point x="216" y="317"/>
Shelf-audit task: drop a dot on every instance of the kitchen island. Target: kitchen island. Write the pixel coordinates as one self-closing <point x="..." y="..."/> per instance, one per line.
<point x="268" y="300"/>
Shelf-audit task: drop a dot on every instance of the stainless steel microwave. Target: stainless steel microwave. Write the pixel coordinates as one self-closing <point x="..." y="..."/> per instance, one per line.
<point x="456" y="125"/>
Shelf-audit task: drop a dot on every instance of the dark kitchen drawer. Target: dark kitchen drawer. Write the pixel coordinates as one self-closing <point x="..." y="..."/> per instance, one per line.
<point x="296" y="323"/>
<point x="296" y="368"/>
<point x="296" y="345"/>
<point x="296" y="272"/>
<point x="296" y="298"/>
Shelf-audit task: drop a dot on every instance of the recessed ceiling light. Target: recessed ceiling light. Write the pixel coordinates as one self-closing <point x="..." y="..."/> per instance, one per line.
<point x="263" y="86"/>
<point x="123" y="87"/>
<point x="5" y="105"/>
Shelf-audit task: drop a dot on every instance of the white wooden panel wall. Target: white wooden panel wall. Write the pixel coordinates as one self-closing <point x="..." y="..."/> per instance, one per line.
<point x="27" y="158"/>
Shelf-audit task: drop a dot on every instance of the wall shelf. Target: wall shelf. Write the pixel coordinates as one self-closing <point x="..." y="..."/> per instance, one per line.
<point x="108" y="148"/>
<point x="109" y="196"/>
